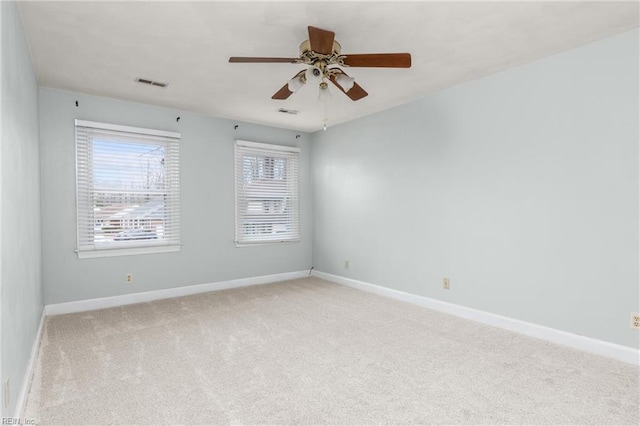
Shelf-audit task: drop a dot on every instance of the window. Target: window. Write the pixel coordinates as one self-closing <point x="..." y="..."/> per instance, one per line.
<point x="266" y="193"/>
<point x="127" y="190"/>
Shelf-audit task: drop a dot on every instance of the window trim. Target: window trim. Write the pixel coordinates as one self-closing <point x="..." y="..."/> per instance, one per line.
<point x="119" y="250"/>
<point x="266" y="147"/>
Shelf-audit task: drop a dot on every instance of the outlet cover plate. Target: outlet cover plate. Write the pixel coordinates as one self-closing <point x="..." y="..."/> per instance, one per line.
<point x="446" y="284"/>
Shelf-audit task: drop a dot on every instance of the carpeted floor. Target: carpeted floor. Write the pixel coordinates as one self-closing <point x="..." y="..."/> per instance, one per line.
<point x="311" y="352"/>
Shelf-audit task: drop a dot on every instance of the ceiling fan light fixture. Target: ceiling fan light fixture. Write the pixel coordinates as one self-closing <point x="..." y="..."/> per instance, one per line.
<point x="345" y="82"/>
<point x="296" y="83"/>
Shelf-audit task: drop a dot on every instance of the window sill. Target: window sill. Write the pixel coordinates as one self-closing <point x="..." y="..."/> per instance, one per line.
<point x="265" y="243"/>
<point x="129" y="251"/>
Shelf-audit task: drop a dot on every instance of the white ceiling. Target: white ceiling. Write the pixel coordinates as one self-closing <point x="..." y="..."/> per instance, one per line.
<point x="101" y="47"/>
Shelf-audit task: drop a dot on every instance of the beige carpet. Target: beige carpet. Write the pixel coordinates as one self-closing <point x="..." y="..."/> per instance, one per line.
<point x="311" y="352"/>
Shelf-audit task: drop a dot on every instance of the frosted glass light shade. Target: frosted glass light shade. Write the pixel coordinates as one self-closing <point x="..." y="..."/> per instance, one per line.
<point x="313" y="74"/>
<point x="295" y="84"/>
<point x="324" y="94"/>
<point x="345" y="82"/>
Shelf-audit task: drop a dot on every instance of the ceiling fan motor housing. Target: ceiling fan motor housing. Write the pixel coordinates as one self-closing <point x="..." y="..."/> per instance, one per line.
<point x="305" y="47"/>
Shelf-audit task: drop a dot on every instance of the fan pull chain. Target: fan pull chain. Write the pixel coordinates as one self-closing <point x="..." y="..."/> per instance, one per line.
<point x="326" y="109"/>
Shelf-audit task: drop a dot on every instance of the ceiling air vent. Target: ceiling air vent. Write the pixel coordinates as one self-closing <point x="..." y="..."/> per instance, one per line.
<point x="151" y="82"/>
<point x="288" y="111"/>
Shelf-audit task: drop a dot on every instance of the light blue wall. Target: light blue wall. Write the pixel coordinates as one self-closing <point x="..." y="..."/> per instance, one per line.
<point x="20" y="255"/>
<point x="521" y="187"/>
<point x="207" y="184"/>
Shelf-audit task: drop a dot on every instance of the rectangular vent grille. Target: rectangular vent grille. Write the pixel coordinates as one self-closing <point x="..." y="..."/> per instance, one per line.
<point x="151" y="82"/>
<point x="288" y="111"/>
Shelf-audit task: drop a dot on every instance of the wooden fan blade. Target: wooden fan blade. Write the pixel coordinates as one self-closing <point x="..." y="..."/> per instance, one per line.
<point x="241" y="59"/>
<point x="382" y="60"/>
<point x="283" y="93"/>
<point x="355" y="93"/>
<point x="321" y="41"/>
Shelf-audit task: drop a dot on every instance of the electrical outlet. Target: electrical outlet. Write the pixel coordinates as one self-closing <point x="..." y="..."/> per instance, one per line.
<point x="635" y="321"/>
<point x="346" y="264"/>
<point x="7" y="395"/>
<point x="128" y="278"/>
<point x="446" y="284"/>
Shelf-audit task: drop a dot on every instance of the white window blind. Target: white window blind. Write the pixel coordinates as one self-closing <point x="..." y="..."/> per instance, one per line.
<point x="127" y="189"/>
<point x="267" y="207"/>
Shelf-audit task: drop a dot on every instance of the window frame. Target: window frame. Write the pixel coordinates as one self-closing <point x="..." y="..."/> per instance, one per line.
<point x="274" y="150"/>
<point x="172" y="188"/>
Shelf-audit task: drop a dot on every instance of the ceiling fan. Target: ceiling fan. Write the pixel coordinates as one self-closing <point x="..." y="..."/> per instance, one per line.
<point x="322" y="53"/>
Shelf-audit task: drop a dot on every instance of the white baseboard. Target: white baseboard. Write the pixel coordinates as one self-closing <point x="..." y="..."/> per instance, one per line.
<point x="28" y="374"/>
<point x="587" y="344"/>
<point x="128" y="299"/>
